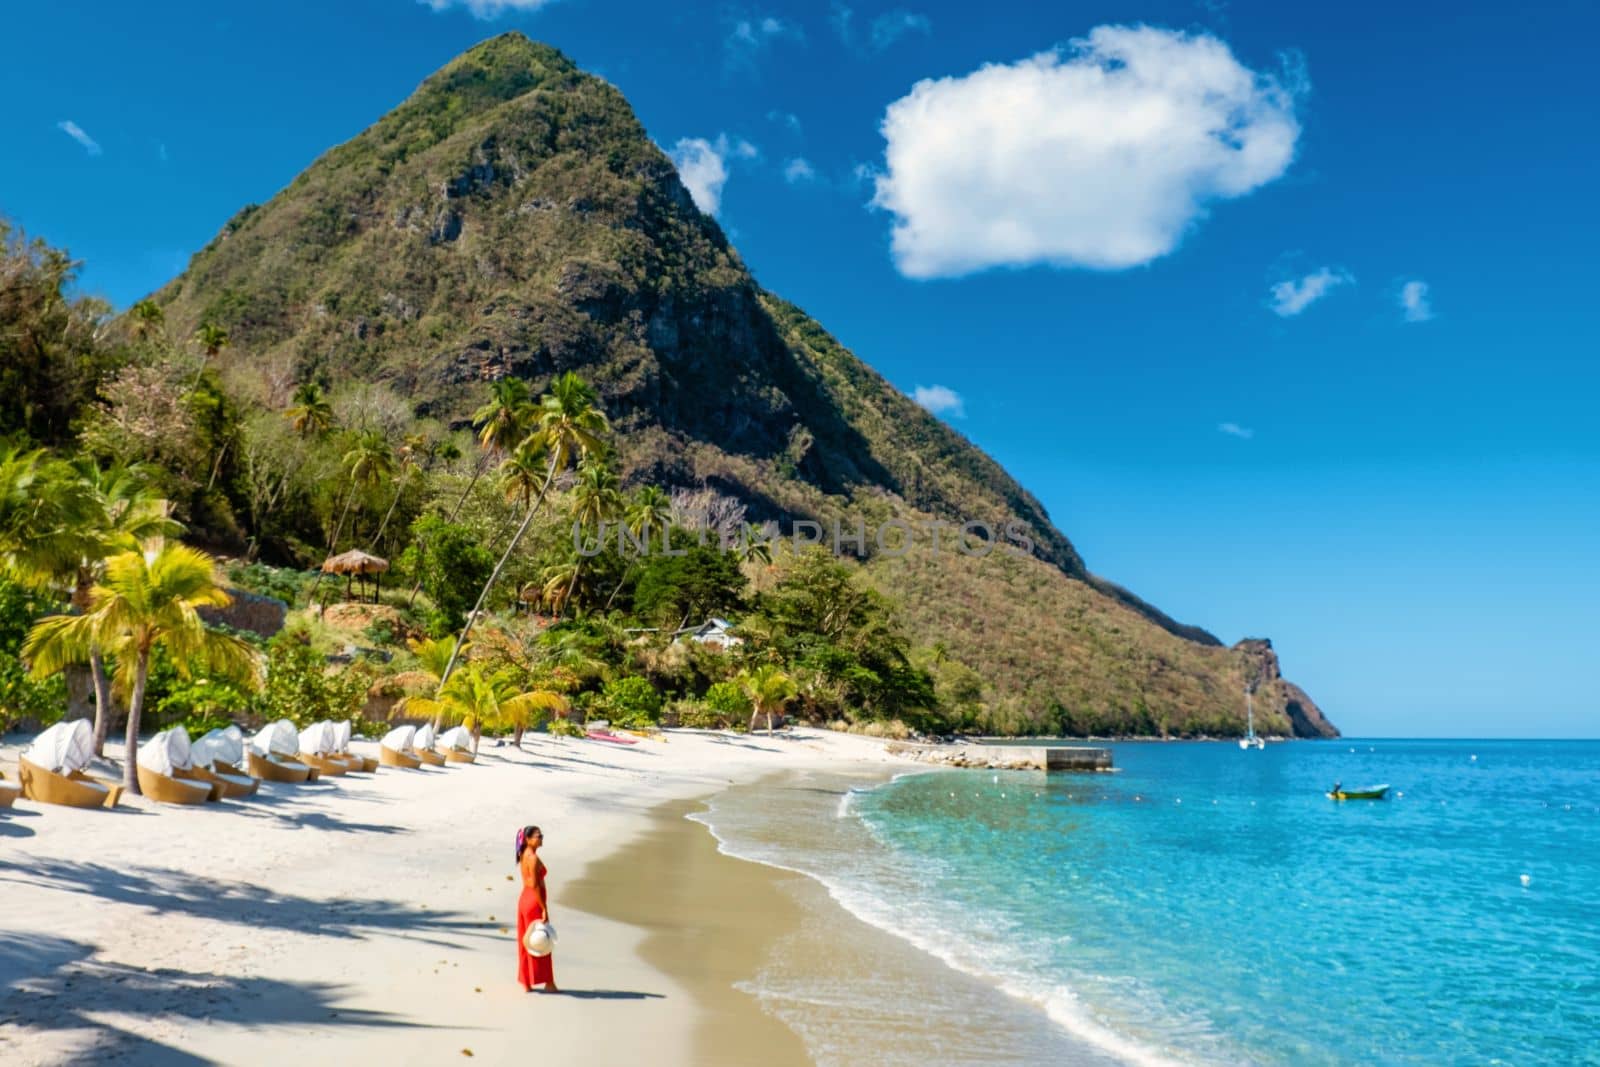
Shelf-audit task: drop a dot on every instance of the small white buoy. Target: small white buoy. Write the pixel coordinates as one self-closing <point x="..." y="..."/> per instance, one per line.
<point x="1474" y="759"/>
<point x="1526" y="879"/>
<point x="1137" y="797"/>
<point x="952" y="794"/>
<point x="1002" y="796"/>
<point x="1178" y="801"/>
<point x="1213" y="802"/>
<point x="1399" y="793"/>
<point x="996" y="778"/>
<point x="1352" y="750"/>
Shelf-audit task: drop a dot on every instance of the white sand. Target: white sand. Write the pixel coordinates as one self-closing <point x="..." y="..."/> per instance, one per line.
<point x="356" y="916"/>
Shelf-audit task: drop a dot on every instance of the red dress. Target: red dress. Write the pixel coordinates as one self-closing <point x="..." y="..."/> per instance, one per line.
<point x="531" y="970"/>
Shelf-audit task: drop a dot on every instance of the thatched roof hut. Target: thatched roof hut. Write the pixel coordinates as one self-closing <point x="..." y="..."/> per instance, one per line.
<point x="356" y="562"/>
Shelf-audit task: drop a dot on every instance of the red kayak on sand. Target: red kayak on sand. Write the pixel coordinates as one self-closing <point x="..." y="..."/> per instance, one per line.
<point x="603" y="735"/>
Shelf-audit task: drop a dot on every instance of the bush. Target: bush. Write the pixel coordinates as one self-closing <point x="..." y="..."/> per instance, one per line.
<point x="566" y="728"/>
<point x="302" y="689"/>
<point x="21" y="697"/>
<point x="699" y="716"/>
<point x="200" y="705"/>
<point x="632" y="701"/>
<point x="728" y="700"/>
<point x="452" y="565"/>
<point x="281" y="583"/>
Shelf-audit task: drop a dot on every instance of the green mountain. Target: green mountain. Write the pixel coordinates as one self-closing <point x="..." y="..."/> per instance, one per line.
<point x="514" y="218"/>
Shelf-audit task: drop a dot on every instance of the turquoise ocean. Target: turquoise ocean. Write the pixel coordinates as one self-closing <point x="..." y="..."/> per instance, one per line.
<point x="1206" y="904"/>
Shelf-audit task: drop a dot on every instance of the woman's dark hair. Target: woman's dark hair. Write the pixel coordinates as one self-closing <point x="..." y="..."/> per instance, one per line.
<point x="525" y="835"/>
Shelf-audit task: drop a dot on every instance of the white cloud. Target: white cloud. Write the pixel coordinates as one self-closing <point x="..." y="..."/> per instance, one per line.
<point x="703" y="166"/>
<point x="842" y="19"/>
<point x="940" y="400"/>
<point x="1415" y="301"/>
<point x="750" y="36"/>
<point x="1101" y="156"/>
<point x="486" y="9"/>
<point x="74" y="131"/>
<point x="785" y="118"/>
<point x="1291" y="297"/>
<point x="798" y="170"/>
<point x="1233" y="429"/>
<point x="889" y="28"/>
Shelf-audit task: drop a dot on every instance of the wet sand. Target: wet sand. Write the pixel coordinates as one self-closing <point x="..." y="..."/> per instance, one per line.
<point x="710" y="921"/>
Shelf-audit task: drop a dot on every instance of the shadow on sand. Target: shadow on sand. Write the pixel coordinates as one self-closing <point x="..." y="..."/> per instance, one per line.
<point x="164" y="890"/>
<point x="53" y="984"/>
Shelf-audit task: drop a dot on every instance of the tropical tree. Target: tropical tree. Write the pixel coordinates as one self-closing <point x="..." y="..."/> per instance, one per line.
<point x="413" y="451"/>
<point x="148" y="319"/>
<point x="480" y="696"/>
<point x="650" y="510"/>
<point x="311" y="413"/>
<point x="757" y="544"/>
<point x="368" y="463"/>
<point x="522" y="472"/>
<point x="211" y="338"/>
<point x="569" y="424"/>
<point x="145" y="602"/>
<point x="503" y="423"/>
<point x="596" y="500"/>
<point x="768" y="689"/>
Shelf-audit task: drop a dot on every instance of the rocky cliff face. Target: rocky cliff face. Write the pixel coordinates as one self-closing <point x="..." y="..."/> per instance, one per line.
<point x="513" y="218"/>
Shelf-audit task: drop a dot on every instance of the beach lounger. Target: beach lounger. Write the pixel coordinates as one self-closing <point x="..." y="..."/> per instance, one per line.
<point x="278" y="768"/>
<point x="422" y="747"/>
<point x="166" y="770"/>
<point x="52" y="769"/>
<point x="73" y="789"/>
<point x="456" y="745"/>
<point x="170" y="789"/>
<point x="229" y="783"/>
<point x="318" y="743"/>
<point x="395" y="748"/>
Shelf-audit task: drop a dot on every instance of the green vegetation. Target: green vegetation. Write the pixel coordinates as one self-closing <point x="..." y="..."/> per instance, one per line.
<point x="490" y="321"/>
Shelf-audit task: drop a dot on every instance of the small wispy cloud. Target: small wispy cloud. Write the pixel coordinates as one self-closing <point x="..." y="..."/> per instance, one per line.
<point x="703" y="166"/>
<point x="798" y="170"/>
<point x="1415" y="301"/>
<point x="889" y="28"/>
<point x="1289" y="298"/>
<point x="749" y="37"/>
<point x="74" y="131"/>
<point x="842" y="18"/>
<point x="1233" y="429"/>
<point x="785" y="118"/>
<point x="940" y="400"/>
<point x="486" y="9"/>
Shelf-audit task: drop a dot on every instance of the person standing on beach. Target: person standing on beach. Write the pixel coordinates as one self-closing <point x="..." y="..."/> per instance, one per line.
<point x="533" y="906"/>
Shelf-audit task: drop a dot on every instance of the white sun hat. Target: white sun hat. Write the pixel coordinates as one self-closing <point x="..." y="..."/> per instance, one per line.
<point x="540" y="940"/>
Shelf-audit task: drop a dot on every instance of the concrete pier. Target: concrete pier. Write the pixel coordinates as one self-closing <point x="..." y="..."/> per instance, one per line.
<point x="1008" y="757"/>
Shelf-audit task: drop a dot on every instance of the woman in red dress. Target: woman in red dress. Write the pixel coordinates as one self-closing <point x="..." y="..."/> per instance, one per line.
<point x="533" y="906"/>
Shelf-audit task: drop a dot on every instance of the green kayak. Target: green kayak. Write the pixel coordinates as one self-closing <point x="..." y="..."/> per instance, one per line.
<point x="1377" y="792"/>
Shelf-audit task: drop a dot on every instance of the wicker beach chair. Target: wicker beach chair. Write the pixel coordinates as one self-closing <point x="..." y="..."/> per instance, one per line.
<point x="395" y="748"/>
<point x="52" y="769"/>
<point x="165" y="770"/>
<point x="456" y="744"/>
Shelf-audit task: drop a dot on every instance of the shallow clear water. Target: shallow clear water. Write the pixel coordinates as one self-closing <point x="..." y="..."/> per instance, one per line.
<point x="1207" y="904"/>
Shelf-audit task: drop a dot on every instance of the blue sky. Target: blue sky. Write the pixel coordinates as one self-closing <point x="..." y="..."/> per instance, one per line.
<point x="1220" y="393"/>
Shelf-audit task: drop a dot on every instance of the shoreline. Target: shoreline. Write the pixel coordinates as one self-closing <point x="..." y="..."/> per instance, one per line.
<point x="362" y="915"/>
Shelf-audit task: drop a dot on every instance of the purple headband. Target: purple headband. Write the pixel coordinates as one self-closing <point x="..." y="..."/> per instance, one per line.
<point x="521" y="840"/>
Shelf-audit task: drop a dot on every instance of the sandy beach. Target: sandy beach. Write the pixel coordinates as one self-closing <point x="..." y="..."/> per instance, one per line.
<point x="372" y="914"/>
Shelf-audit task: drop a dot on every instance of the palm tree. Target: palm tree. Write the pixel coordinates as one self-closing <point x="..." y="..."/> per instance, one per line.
<point x="367" y="464"/>
<point x="310" y="415"/>
<point x="145" y="602"/>
<point x="522" y="472"/>
<point x="211" y="338"/>
<point x="596" y="500"/>
<point x="648" y="511"/>
<point x="480" y="697"/>
<point x="757" y="544"/>
<point x="503" y="423"/>
<point x="569" y="424"/>
<point x="769" y="690"/>
<point x="148" y="319"/>
<point x="126" y="515"/>
<point x="413" y="451"/>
